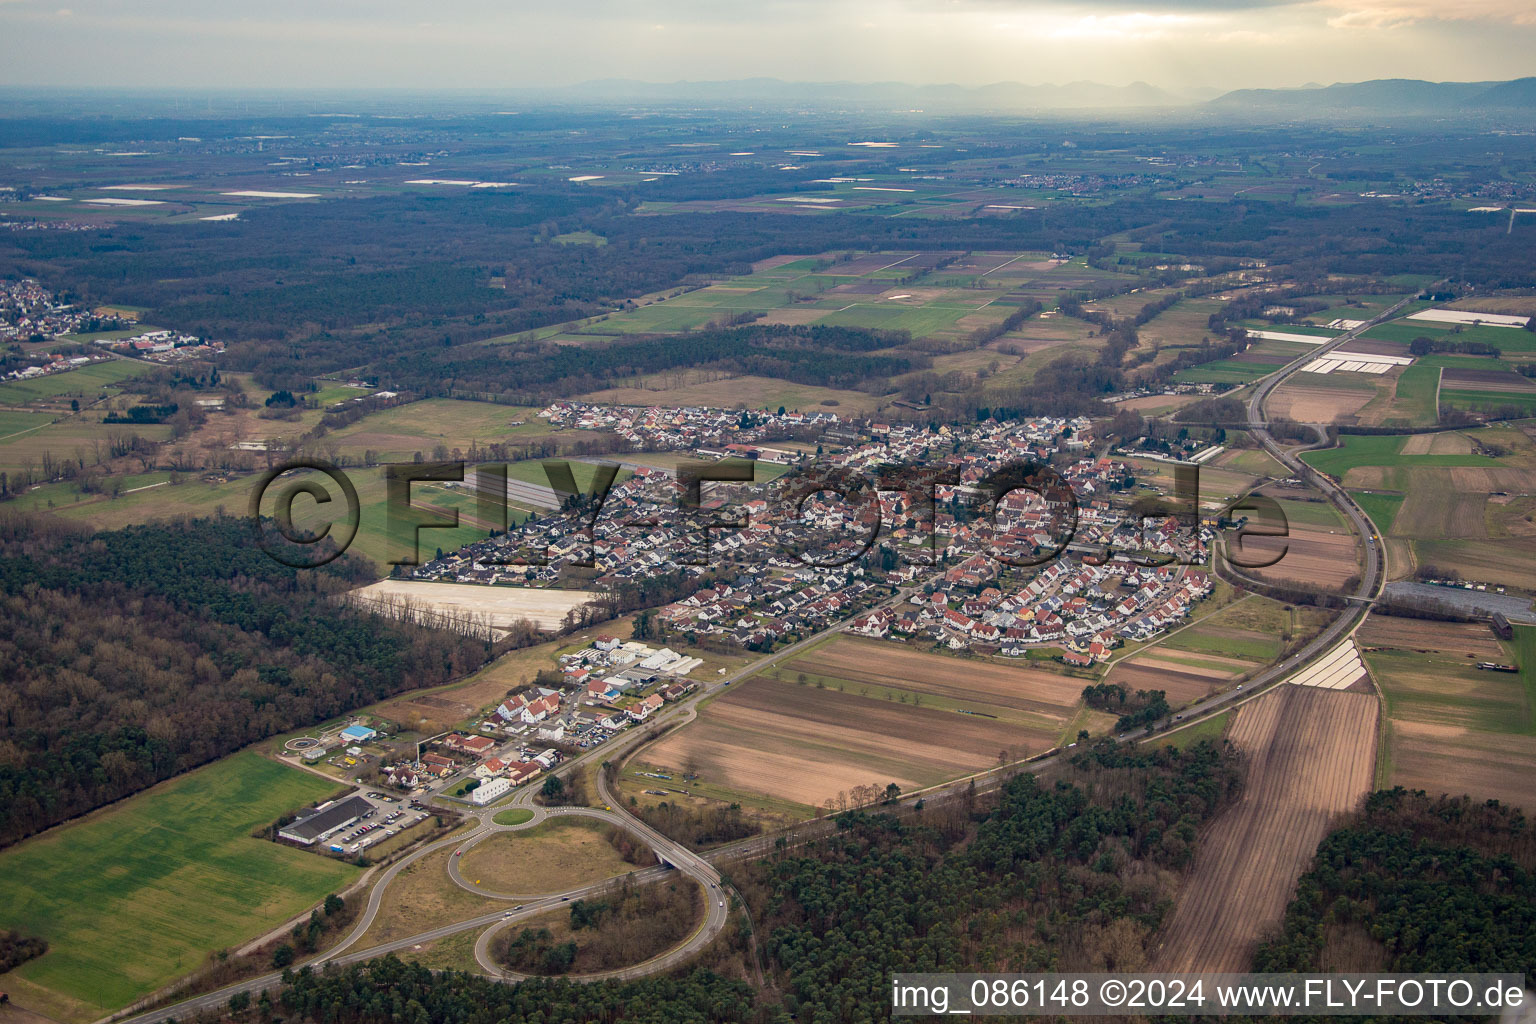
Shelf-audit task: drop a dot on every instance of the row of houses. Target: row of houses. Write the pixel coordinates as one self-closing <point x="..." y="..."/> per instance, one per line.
<point x="1082" y="609"/>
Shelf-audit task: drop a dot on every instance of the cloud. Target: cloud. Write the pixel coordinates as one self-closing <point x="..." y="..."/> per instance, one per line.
<point x="1384" y="14"/>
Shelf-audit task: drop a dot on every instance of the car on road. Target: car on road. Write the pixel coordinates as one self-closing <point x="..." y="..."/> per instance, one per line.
<point x="457" y="853"/>
<point x="722" y="903"/>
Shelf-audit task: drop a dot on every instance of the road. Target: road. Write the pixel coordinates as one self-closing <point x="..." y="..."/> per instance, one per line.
<point x="1371" y="576"/>
<point x="699" y="868"/>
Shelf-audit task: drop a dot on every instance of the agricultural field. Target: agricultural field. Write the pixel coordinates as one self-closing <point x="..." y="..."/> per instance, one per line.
<point x="1381" y="507"/>
<point x="1321" y="398"/>
<point x="1311" y="754"/>
<point x="1452" y="728"/>
<point x="1218" y="484"/>
<point x="1415" y="399"/>
<point x="88" y="382"/>
<point x="1184" y="676"/>
<point x="1213" y="728"/>
<point x="1180" y="326"/>
<point x="1350" y="307"/>
<point x="1506" y="339"/>
<point x="1255" y="462"/>
<point x="892" y="290"/>
<point x="176" y="862"/>
<point x="696" y="387"/>
<point x="1489" y="401"/>
<point x="1319" y="549"/>
<point x="148" y="497"/>
<point x="399" y="433"/>
<point x="1390" y="450"/>
<point x="498" y="607"/>
<point x="1253" y="629"/>
<point x="1225" y="371"/>
<point x="871" y="713"/>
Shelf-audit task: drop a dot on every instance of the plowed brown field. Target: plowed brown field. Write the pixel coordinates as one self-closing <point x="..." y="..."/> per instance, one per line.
<point x="889" y="664"/>
<point x="1311" y="555"/>
<point x="1310" y="757"/>
<point x="808" y="744"/>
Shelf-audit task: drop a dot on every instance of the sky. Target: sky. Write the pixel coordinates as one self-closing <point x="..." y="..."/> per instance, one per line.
<point x="506" y="44"/>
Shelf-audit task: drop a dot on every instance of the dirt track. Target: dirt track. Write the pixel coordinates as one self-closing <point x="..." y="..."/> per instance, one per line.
<point x="1311" y="756"/>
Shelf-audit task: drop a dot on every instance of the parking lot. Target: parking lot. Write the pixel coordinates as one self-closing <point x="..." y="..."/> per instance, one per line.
<point x="390" y="815"/>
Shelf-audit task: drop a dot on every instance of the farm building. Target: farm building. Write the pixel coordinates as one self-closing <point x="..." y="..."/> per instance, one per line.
<point x="326" y="821"/>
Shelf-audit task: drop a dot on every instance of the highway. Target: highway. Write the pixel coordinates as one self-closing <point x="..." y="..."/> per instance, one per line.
<point x="717" y="899"/>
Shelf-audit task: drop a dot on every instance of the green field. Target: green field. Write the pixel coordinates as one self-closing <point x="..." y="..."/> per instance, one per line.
<point x="85" y="381"/>
<point x="1466" y="362"/>
<point x="1415" y="397"/>
<point x="1381" y="450"/>
<point x="396" y="434"/>
<point x="1212" y="729"/>
<point x="14" y="422"/>
<point x="1382" y="508"/>
<point x="1506" y="339"/>
<point x="1225" y="371"/>
<point x="1488" y="400"/>
<point x="139" y="894"/>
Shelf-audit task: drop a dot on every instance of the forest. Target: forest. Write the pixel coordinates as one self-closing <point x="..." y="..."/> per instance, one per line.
<point x="830" y="356"/>
<point x="1065" y="876"/>
<point x="387" y="991"/>
<point x="130" y="656"/>
<point x="1416" y="883"/>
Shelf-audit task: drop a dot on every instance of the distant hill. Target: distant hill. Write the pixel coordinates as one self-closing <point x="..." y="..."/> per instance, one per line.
<point x="1519" y="93"/>
<point x="885" y="95"/>
<point x="1387" y="96"/>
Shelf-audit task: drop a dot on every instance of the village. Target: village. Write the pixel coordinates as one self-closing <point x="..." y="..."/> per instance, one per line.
<point x="30" y="313"/>
<point x="1060" y="564"/>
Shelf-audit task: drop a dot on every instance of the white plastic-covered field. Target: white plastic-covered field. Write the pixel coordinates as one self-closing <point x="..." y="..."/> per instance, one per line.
<point x="1465" y="316"/>
<point x="1300" y="339"/>
<point x="1339" y="669"/>
<point x="1355" y="362"/>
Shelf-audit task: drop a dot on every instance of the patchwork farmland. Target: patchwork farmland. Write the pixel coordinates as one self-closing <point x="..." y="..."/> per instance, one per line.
<point x="1449" y="501"/>
<point x="1452" y="728"/>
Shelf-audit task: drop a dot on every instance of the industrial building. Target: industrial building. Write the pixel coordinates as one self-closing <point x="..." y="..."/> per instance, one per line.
<point x="327" y="820"/>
